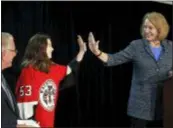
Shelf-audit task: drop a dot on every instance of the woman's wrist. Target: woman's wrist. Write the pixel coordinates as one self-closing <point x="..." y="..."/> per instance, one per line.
<point x="98" y="53"/>
<point x="80" y="56"/>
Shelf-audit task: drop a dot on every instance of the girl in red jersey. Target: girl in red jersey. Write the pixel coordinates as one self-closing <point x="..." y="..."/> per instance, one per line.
<point x="38" y="84"/>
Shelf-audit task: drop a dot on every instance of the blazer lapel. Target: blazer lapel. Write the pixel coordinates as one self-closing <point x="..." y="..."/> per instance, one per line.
<point x="14" y="103"/>
<point x="147" y="48"/>
<point x="6" y="98"/>
<point x="165" y="49"/>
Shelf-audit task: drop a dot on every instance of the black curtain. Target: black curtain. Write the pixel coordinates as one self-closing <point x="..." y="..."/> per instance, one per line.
<point x="100" y="96"/>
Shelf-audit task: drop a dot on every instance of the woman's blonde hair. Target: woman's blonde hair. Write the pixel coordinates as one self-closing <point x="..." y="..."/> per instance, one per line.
<point x="159" y="21"/>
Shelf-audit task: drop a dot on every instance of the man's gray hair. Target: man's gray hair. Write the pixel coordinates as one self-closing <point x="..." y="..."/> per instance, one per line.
<point x="5" y="36"/>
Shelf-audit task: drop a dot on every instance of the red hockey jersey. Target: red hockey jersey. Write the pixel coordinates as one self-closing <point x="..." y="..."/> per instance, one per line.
<point x="37" y="93"/>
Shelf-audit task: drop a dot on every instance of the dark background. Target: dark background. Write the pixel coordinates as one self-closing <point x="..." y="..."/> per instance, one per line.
<point x="100" y="96"/>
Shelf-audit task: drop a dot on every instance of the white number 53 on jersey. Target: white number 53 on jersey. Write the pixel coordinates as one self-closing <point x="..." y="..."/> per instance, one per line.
<point x="25" y="90"/>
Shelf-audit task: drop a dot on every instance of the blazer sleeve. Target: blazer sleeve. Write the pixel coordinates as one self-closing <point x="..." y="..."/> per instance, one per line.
<point x="121" y="57"/>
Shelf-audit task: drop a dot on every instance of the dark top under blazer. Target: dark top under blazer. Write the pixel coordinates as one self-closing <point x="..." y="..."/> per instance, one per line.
<point x="148" y="77"/>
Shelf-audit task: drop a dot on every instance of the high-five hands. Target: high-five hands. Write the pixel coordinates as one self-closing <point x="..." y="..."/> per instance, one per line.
<point x="93" y="46"/>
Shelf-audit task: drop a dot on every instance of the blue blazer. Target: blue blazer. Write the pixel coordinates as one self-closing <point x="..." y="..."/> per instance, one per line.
<point x="145" y="100"/>
<point x="8" y="115"/>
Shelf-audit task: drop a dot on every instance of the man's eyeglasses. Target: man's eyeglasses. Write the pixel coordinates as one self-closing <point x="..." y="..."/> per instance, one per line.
<point x="15" y="50"/>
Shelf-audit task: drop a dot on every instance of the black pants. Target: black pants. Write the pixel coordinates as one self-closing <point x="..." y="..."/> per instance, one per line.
<point x="140" y="123"/>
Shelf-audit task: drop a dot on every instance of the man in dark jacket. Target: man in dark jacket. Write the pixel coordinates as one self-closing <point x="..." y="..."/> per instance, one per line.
<point x="9" y="109"/>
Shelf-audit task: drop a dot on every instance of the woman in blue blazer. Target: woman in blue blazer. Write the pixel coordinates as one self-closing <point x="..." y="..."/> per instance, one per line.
<point x="152" y="60"/>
